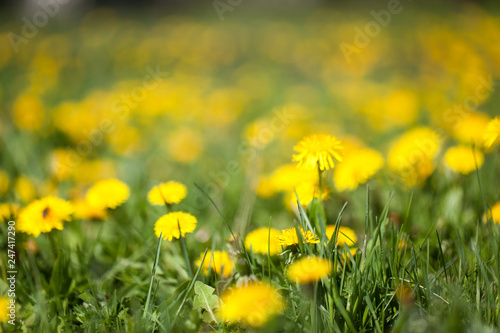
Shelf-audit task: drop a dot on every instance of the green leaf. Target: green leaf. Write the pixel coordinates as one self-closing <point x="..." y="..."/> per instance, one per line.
<point x="209" y="317"/>
<point x="316" y="214"/>
<point x="88" y="298"/>
<point x="206" y="300"/>
<point x="60" y="279"/>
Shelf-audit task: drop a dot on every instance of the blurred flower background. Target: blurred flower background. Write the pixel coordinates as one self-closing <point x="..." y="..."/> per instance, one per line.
<point x="97" y="92"/>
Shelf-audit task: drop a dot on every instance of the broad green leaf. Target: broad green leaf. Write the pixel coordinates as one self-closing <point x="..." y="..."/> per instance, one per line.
<point x="60" y="279"/>
<point x="206" y="300"/>
<point x="316" y="214"/>
<point x="88" y="298"/>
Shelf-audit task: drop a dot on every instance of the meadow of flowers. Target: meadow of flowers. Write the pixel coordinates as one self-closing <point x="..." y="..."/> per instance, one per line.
<point x="311" y="170"/>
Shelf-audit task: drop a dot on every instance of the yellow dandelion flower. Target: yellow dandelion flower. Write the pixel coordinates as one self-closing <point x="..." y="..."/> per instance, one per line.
<point x="44" y="215"/>
<point x="309" y="269"/>
<point x="28" y="113"/>
<point x="25" y="189"/>
<point x="8" y="211"/>
<point x="289" y="237"/>
<point x="492" y="133"/>
<point x="77" y="119"/>
<point x="168" y="225"/>
<point x="184" y="145"/>
<point x="85" y="211"/>
<point x="170" y="192"/>
<point x="345" y="236"/>
<point x="412" y="155"/>
<point x="494" y="213"/>
<point x="265" y="187"/>
<point x="107" y="193"/>
<point x="463" y="159"/>
<point x="4" y="311"/>
<point x="317" y="150"/>
<point x="253" y="304"/>
<point x="385" y="111"/>
<point x="285" y="178"/>
<point x="90" y="171"/>
<point x="218" y="261"/>
<point x="306" y="192"/>
<point x="356" y="168"/>
<point x="471" y="128"/>
<point x="258" y="239"/>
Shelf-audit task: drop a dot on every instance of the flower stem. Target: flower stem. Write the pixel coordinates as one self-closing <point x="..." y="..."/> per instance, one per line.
<point x="153" y="273"/>
<point x="184" y="251"/>
<point x="269" y="250"/>
<point x="314" y="319"/>
<point x="321" y="219"/>
<point x="320" y="184"/>
<point x="53" y="245"/>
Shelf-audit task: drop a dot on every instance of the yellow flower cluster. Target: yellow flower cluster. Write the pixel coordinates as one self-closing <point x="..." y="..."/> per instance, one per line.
<point x="4" y="311"/>
<point x="48" y="213"/>
<point x="492" y="133"/>
<point x="345" y="235"/>
<point x="252" y="304"/>
<point x="463" y="159"/>
<point x="358" y="165"/>
<point x="289" y="237"/>
<point x="108" y="193"/>
<point x="8" y="210"/>
<point x="217" y="261"/>
<point x="25" y="189"/>
<point x="263" y="241"/>
<point x="309" y="269"/>
<point x="471" y="129"/>
<point x="178" y="121"/>
<point x="175" y="224"/>
<point x="318" y="151"/>
<point x="285" y="179"/>
<point x="412" y="155"/>
<point x="494" y="213"/>
<point x="85" y="211"/>
<point x="44" y="215"/>
<point x="167" y="193"/>
<point x="305" y="192"/>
